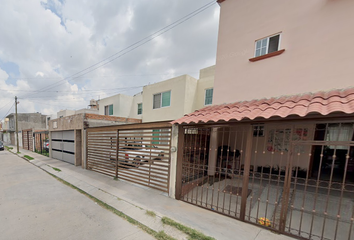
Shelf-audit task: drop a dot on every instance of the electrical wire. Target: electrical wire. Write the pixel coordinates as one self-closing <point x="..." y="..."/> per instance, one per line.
<point x="81" y="90"/>
<point x="99" y="77"/>
<point x="5" y="105"/>
<point x="7" y="112"/>
<point x="136" y="44"/>
<point x="50" y="105"/>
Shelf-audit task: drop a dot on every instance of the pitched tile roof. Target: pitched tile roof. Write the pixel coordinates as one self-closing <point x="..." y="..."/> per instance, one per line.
<point x="301" y="105"/>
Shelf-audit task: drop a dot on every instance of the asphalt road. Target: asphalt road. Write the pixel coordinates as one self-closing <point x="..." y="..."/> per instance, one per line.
<point x="34" y="205"/>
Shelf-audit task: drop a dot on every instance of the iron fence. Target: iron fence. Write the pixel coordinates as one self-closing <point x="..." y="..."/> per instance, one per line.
<point x="294" y="178"/>
<point x="41" y="142"/>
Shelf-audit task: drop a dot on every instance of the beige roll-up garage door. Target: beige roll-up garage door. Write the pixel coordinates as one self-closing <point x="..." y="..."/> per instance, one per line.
<point x="63" y="146"/>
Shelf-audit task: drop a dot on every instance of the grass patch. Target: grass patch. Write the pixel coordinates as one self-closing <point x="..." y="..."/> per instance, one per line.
<point x="192" y="233"/>
<point x="28" y="157"/>
<point x="57" y="169"/>
<point x="163" y="236"/>
<point x="9" y="148"/>
<point x="18" y="152"/>
<point x="150" y="213"/>
<point x="158" y="235"/>
<point x="42" y="153"/>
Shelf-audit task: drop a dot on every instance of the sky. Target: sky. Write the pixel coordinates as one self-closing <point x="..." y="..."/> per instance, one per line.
<point x="59" y="54"/>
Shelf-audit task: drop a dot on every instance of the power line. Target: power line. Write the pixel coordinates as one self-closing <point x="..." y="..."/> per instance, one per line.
<point x="6" y="105"/>
<point x="96" y="77"/>
<point x="111" y="60"/>
<point x="21" y="107"/>
<point x="138" y="43"/>
<point x="7" y="112"/>
<point x="81" y="90"/>
<point x="61" y="106"/>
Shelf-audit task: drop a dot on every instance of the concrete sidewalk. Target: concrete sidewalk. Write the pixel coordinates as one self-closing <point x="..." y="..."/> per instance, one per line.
<point x="34" y="205"/>
<point x="134" y="200"/>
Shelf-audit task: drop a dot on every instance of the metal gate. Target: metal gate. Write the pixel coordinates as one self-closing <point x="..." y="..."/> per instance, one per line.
<point x="27" y="139"/>
<point x="139" y="153"/>
<point x="297" y="178"/>
<point x="41" y="142"/>
<point x="63" y="146"/>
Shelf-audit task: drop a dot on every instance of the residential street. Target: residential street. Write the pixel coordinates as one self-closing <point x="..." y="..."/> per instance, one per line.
<point x="34" y="205"/>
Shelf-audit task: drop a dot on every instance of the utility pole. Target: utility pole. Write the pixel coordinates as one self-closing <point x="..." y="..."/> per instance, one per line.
<point x="18" y="150"/>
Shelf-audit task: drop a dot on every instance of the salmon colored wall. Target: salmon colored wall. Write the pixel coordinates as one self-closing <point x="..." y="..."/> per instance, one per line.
<point x="318" y="38"/>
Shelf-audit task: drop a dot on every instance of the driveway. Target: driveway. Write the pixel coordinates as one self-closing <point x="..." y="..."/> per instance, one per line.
<point x="34" y="205"/>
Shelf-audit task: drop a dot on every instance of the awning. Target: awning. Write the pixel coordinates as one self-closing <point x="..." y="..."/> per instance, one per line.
<point x="301" y="105"/>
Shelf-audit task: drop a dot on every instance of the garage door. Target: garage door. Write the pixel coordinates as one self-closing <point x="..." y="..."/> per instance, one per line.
<point x="63" y="146"/>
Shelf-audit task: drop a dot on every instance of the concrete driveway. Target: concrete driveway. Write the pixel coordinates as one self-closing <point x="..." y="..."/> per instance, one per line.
<point x="34" y="205"/>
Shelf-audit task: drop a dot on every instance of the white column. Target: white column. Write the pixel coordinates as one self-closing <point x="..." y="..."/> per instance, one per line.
<point x="173" y="166"/>
<point x="213" y="150"/>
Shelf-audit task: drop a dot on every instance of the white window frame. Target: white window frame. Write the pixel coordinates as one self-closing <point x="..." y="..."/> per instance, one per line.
<point x="108" y="110"/>
<point x="267" y="47"/>
<point x="205" y="97"/>
<point x="161" y="99"/>
<point x="141" y="109"/>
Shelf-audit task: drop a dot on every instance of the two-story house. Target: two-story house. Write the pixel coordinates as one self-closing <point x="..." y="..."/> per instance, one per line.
<point x="276" y="148"/>
<point x="26" y="121"/>
<point x="163" y="101"/>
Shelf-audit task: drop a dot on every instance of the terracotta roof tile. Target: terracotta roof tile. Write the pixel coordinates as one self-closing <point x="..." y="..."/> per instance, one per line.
<point x="301" y="105"/>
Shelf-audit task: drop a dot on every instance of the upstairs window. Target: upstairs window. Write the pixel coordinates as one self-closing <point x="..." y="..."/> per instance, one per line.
<point x="208" y="96"/>
<point x="267" y="45"/>
<point x="140" y="108"/>
<point x="108" y="110"/>
<point x="162" y="100"/>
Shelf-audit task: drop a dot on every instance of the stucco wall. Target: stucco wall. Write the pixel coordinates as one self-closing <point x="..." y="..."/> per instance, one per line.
<point x="179" y="99"/>
<point x="190" y="92"/>
<point x="206" y="81"/>
<point x="27" y="121"/>
<point x="67" y="123"/>
<point x="125" y="105"/>
<point x="121" y="105"/>
<point x="316" y="35"/>
<point x="137" y="98"/>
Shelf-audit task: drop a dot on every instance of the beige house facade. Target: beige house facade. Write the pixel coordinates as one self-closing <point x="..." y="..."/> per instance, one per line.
<point x="118" y="105"/>
<point x="163" y="101"/>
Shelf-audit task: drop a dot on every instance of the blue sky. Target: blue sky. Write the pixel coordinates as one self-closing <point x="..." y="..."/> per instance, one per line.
<point x="12" y="69"/>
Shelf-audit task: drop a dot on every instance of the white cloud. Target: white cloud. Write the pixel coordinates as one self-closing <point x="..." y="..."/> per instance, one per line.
<point x="50" y="41"/>
<point x="39" y="74"/>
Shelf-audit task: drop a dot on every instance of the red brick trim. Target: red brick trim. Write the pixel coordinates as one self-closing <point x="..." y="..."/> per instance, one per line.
<point x="267" y="55"/>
